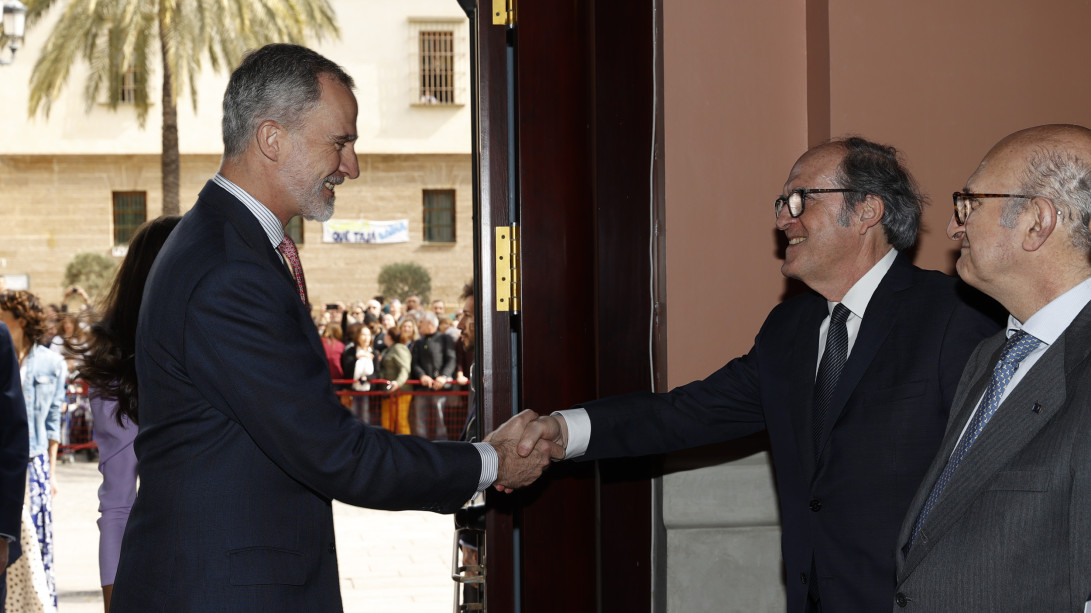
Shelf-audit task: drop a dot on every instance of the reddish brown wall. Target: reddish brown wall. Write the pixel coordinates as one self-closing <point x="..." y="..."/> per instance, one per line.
<point x="940" y="79"/>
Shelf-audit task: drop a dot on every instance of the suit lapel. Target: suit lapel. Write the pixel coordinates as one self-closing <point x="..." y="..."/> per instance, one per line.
<point x="802" y="359"/>
<point x="1039" y="396"/>
<point x="246" y="225"/>
<point x="881" y="314"/>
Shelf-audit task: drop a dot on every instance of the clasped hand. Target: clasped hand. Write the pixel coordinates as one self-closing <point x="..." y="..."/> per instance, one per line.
<point x="525" y="445"/>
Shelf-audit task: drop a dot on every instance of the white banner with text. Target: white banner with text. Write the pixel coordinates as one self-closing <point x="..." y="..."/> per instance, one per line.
<point x="365" y="231"/>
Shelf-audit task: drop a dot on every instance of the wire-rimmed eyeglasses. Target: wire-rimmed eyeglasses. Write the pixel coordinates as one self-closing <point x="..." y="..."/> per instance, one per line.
<point x="964" y="200"/>
<point x="797" y="199"/>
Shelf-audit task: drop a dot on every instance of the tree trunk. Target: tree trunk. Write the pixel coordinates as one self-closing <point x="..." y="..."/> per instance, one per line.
<point x="170" y="157"/>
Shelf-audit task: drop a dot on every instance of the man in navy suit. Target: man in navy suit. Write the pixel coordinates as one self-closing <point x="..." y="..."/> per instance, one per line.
<point x="242" y="442"/>
<point x="852" y="382"/>
<point x="14" y="450"/>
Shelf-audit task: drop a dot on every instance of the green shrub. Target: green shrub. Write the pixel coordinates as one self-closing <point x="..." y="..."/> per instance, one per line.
<point x="400" y="279"/>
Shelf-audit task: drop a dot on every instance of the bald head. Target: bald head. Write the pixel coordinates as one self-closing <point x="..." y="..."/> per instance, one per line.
<point x="1053" y="161"/>
<point x="1025" y="237"/>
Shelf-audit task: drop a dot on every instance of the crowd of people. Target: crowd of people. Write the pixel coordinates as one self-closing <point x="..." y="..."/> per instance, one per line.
<point x="375" y="347"/>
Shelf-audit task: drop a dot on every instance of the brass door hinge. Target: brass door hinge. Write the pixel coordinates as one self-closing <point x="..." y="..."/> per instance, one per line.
<point x="507" y="268"/>
<point x="503" y="12"/>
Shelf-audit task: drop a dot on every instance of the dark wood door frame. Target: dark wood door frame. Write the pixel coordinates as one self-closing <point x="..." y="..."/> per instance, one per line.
<point x="587" y="169"/>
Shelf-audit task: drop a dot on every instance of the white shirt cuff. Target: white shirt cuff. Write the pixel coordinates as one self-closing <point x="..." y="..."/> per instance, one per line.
<point x="489" y="465"/>
<point x="579" y="431"/>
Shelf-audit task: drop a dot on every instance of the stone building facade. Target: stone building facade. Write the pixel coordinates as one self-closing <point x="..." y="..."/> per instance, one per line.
<point x="59" y="175"/>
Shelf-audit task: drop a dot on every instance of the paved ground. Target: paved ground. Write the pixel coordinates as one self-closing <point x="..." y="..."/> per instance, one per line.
<point x="389" y="561"/>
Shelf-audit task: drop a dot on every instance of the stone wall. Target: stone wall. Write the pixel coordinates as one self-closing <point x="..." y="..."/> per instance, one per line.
<point x="53" y="207"/>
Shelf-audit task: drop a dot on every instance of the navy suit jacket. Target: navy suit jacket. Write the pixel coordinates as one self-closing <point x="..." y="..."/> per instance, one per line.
<point x="243" y="443"/>
<point x="885" y="422"/>
<point x="14" y="445"/>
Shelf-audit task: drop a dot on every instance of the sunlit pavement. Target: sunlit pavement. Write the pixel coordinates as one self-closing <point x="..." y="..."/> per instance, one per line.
<point x="390" y="562"/>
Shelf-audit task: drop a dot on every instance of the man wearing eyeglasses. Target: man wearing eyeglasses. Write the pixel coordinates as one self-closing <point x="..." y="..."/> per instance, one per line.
<point x="1002" y="518"/>
<point x="852" y="382"/>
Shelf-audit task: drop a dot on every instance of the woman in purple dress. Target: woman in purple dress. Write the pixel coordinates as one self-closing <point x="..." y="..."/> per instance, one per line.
<point x="109" y="369"/>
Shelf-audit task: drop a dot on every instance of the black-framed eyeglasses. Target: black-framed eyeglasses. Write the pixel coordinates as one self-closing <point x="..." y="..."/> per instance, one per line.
<point x="964" y="202"/>
<point x="797" y="199"/>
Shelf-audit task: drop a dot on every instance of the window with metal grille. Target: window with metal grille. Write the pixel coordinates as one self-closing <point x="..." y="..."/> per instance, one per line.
<point x="439" y="216"/>
<point x="127" y="84"/>
<point x="294" y="229"/>
<point x="130" y="211"/>
<point x="437" y="67"/>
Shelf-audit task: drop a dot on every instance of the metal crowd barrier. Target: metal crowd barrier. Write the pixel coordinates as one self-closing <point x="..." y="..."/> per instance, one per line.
<point x="435" y="415"/>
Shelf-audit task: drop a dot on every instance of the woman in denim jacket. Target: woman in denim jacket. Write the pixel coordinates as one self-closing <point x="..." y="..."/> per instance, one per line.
<point x="44" y="375"/>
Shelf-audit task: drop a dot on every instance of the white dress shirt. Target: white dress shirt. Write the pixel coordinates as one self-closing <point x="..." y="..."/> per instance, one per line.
<point x="1047" y="325"/>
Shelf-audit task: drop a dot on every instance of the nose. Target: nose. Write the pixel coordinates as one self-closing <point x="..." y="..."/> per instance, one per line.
<point x="784" y="219"/>
<point x="350" y="166"/>
<point x="955" y="230"/>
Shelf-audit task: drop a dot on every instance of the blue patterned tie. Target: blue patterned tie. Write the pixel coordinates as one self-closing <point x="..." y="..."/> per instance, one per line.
<point x="1018" y="347"/>
<point x="829" y="371"/>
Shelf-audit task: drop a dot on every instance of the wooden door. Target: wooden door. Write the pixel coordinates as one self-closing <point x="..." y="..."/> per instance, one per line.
<point x="567" y="137"/>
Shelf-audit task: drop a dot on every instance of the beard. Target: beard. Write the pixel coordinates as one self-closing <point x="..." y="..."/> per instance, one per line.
<point x="314" y="205"/>
<point x="305" y="190"/>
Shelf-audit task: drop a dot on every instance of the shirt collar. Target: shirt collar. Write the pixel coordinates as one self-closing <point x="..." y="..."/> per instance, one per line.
<point x="269" y="222"/>
<point x="1053" y="319"/>
<point x="859" y="295"/>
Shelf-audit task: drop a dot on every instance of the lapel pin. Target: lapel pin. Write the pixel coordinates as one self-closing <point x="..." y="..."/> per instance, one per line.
<point x="1037" y="408"/>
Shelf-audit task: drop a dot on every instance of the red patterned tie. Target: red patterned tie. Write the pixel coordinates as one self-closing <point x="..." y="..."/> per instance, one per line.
<point x="287" y="247"/>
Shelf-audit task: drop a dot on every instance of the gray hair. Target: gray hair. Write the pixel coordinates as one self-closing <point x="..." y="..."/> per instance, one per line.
<point x="871" y="168"/>
<point x="430" y="317"/>
<point x="1065" y="179"/>
<point x="279" y="82"/>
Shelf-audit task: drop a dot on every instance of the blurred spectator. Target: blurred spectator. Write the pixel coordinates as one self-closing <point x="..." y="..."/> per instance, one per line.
<point x="358" y="364"/>
<point x="395" y="367"/>
<point x="388" y="321"/>
<point x="464" y="356"/>
<point x="68" y="342"/>
<point x="395" y="309"/>
<point x="43" y="374"/>
<point x="331" y="343"/>
<point x="356" y="314"/>
<point x="434" y="367"/>
<point x="378" y="344"/>
<point x="412" y="303"/>
<point x="374" y="307"/>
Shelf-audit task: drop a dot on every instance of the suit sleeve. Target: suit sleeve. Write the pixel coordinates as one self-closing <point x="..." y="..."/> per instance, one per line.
<point x="263" y="366"/>
<point x="724" y="406"/>
<point x="14" y="439"/>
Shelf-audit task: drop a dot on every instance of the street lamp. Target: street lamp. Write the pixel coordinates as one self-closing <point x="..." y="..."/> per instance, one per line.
<point x="15" y="21"/>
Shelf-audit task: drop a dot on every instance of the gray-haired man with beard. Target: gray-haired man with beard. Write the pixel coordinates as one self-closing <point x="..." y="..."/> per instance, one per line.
<point x="242" y="442"/>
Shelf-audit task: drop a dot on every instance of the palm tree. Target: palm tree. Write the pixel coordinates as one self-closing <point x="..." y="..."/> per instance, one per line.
<point x="117" y="38"/>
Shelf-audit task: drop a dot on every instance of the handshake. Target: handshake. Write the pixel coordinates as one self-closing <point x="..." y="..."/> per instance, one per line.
<point x="525" y="445"/>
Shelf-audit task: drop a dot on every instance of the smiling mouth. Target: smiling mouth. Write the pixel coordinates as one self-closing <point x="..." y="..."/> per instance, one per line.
<point x="331" y="183"/>
<point x="797" y="240"/>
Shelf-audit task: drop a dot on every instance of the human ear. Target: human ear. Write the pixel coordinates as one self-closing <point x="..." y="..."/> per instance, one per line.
<point x="870" y="211"/>
<point x="269" y="138"/>
<point x="1044" y="220"/>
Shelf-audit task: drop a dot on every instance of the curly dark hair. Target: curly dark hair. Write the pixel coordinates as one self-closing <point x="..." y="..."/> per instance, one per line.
<point x="109" y="357"/>
<point x="25" y="306"/>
